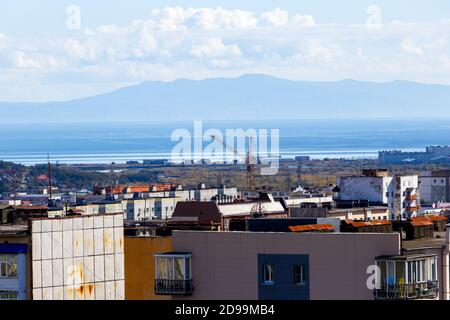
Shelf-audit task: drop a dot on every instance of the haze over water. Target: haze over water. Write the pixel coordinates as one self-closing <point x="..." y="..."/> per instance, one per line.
<point x="120" y="142"/>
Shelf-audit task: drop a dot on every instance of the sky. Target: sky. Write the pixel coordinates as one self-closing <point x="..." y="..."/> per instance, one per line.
<point x="59" y="50"/>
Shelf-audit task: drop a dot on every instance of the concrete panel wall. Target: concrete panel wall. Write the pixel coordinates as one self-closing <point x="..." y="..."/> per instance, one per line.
<point x="78" y="258"/>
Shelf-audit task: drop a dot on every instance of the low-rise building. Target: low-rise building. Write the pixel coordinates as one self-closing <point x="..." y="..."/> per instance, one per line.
<point x="357" y="214"/>
<point x="220" y="214"/>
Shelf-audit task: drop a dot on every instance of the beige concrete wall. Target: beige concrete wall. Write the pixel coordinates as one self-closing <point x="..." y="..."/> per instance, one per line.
<point x="225" y="264"/>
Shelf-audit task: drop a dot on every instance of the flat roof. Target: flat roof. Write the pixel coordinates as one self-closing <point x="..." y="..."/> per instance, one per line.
<point x="180" y="254"/>
<point x="438" y="241"/>
<point x="407" y="257"/>
<point x="13" y="229"/>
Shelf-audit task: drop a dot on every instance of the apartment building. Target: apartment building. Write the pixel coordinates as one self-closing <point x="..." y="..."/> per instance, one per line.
<point x="140" y="266"/>
<point x="435" y="187"/>
<point x="68" y="258"/>
<point x="302" y="266"/>
<point x="400" y="193"/>
<point x="149" y="208"/>
<point x="430" y="155"/>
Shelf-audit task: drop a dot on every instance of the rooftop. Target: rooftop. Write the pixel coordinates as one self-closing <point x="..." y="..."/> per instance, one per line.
<point x="13" y="230"/>
<point x="312" y="227"/>
<point x="438" y="241"/>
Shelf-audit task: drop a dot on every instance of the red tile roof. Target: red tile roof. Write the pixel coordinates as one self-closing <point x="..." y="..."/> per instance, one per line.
<point x="312" y="227"/>
<point x="421" y="221"/>
<point x="437" y="218"/>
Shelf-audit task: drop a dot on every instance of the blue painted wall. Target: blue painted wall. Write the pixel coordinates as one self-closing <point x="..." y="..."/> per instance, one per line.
<point x="283" y="287"/>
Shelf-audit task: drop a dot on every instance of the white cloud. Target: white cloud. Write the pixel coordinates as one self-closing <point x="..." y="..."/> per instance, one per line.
<point x="306" y="20"/>
<point x="177" y="18"/>
<point x="276" y="18"/>
<point x="214" y="47"/>
<point x="410" y="47"/>
<point x="22" y="60"/>
<point x="175" y="42"/>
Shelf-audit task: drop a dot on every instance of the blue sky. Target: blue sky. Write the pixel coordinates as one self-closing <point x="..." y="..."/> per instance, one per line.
<point x="26" y="17"/>
<point x="120" y="43"/>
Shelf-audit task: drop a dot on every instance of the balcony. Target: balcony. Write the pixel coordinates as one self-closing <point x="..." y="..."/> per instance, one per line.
<point x="173" y="275"/>
<point x="412" y="291"/>
<point x="173" y="287"/>
<point x="407" y="277"/>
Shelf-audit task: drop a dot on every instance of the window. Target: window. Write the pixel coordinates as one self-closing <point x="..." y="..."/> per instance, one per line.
<point x="390" y="272"/>
<point x="268" y="274"/>
<point x="418" y="270"/>
<point x="9" y="295"/>
<point x="299" y="275"/>
<point x="173" y="267"/>
<point x="433" y="270"/>
<point x="8" y="266"/>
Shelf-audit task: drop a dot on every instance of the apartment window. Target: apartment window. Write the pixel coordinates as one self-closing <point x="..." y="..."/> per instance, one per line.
<point x="299" y="275"/>
<point x="8" y="266"/>
<point x="9" y="295"/>
<point x="433" y="270"/>
<point x="173" y="275"/>
<point x="268" y="273"/>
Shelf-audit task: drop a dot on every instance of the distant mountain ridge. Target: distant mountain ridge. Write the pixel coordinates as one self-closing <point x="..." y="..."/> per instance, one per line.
<point x="249" y="97"/>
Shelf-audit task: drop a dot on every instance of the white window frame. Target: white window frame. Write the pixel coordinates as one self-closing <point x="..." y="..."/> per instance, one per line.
<point x="301" y="275"/>
<point x="268" y="275"/>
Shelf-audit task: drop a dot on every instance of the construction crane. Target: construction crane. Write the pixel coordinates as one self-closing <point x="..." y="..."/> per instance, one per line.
<point x="249" y="160"/>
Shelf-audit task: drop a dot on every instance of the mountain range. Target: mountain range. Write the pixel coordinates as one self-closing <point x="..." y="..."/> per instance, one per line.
<point x="249" y="97"/>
